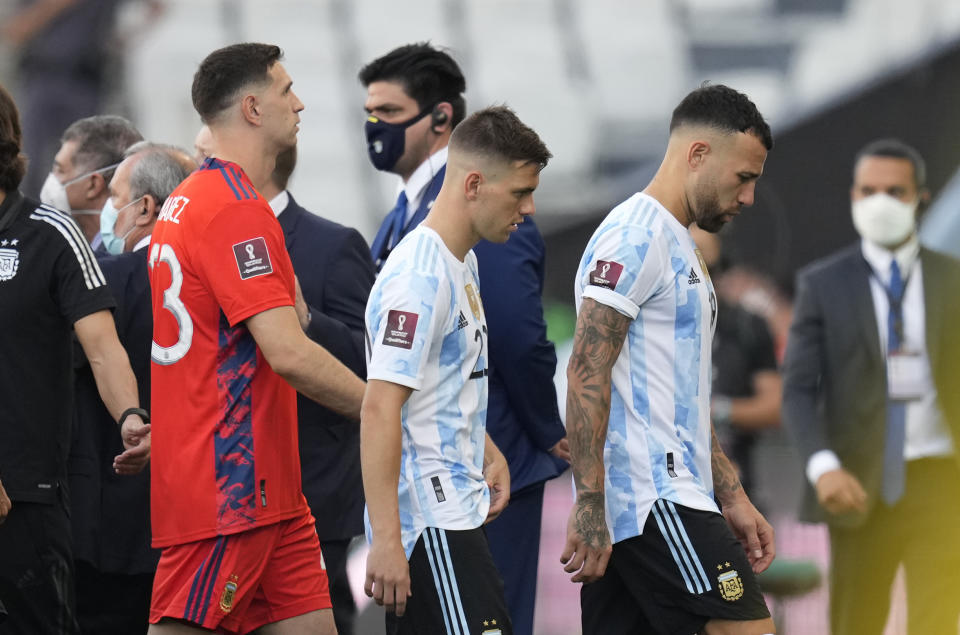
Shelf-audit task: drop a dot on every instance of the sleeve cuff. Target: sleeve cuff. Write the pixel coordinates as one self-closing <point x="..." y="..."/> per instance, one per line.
<point x="820" y="463"/>
<point x="414" y="383"/>
<point x="613" y="300"/>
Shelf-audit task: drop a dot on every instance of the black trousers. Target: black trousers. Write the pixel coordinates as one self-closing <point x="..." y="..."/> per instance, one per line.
<point x="36" y="571"/>
<point x="344" y="608"/>
<point x="922" y="531"/>
<point x="112" y="603"/>
<point x="514" y="539"/>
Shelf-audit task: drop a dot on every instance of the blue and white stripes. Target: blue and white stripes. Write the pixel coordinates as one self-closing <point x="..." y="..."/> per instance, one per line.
<point x="675" y="535"/>
<point x="444" y="420"/>
<point x="445" y="580"/>
<point x="642" y="263"/>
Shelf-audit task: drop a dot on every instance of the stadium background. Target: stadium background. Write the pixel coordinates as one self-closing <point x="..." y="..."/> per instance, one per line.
<point x="598" y="79"/>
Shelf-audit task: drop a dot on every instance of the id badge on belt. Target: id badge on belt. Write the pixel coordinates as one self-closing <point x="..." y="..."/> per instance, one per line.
<point x="906" y="372"/>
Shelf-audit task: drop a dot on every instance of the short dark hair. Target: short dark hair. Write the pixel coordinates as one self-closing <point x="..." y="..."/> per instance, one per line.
<point x="896" y="149"/>
<point x="723" y="108"/>
<point x="13" y="165"/>
<point x="226" y="71"/>
<point x="497" y="132"/>
<point x="101" y="141"/>
<point x="428" y="75"/>
<point x="286" y="162"/>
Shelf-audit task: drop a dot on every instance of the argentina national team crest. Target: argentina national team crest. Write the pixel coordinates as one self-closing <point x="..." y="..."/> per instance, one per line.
<point x="9" y="261"/>
<point x="229" y="591"/>
<point x="731" y="585"/>
<point x="475" y="307"/>
<point x="490" y="628"/>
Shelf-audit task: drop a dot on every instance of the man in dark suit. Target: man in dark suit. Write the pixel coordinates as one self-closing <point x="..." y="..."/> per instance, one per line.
<point x="870" y="395"/>
<point x="110" y="514"/>
<point x="334" y="273"/>
<point x="414" y="100"/>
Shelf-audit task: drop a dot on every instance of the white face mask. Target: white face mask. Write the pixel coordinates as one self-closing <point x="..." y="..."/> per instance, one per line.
<point x="883" y="219"/>
<point x="54" y="193"/>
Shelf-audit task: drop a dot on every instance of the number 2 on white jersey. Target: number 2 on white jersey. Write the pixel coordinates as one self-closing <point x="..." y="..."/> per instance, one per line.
<point x="166" y="355"/>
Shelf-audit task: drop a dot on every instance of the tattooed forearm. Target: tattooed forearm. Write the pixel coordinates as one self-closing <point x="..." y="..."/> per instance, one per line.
<point x="599" y="337"/>
<point x="726" y="483"/>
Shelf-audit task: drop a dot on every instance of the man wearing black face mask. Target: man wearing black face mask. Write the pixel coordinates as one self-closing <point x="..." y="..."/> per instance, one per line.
<point x="414" y="100"/>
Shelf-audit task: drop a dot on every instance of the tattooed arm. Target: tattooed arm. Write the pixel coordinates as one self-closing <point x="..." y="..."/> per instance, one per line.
<point x="747" y="524"/>
<point x="726" y="483"/>
<point x="597" y="341"/>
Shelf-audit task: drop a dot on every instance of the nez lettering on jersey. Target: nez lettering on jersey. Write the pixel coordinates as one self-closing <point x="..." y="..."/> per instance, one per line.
<point x="401" y="326"/>
<point x="606" y="274"/>
<point x="253" y="259"/>
<point x="172" y="208"/>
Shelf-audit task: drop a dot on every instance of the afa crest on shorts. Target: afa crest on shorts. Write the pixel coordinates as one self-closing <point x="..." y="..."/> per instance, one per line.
<point x="229" y="591"/>
<point x="731" y="585"/>
<point x="490" y="628"/>
<point x="9" y="263"/>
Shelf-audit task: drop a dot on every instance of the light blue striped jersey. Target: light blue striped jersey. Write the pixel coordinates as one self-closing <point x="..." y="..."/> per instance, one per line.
<point x="642" y="262"/>
<point x="426" y="330"/>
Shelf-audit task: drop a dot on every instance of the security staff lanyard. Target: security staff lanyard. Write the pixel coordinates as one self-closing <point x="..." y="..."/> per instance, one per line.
<point x="904" y="367"/>
<point x="895" y="307"/>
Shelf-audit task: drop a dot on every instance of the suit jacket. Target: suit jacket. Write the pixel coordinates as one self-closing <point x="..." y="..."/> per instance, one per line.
<point x="426" y="202"/>
<point x="336" y="273"/>
<point x="110" y="514"/>
<point x="522" y="414"/>
<point x="835" y="391"/>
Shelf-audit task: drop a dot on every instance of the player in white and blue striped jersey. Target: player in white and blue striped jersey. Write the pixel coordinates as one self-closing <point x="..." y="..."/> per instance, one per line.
<point x="431" y="474"/>
<point x="427" y="332"/>
<point x="646" y="464"/>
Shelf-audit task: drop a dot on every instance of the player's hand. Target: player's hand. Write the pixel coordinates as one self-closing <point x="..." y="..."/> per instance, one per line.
<point x="136" y="439"/>
<point x="561" y="449"/>
<point x="388" y="576"/>
<point x="5" y="504"/>
<point x="496" y="473"/>
<point x="840" y="492"/>
<point x="588" y="548"/>
<point x="753" y="531"/>
<point x="303" y="311"/>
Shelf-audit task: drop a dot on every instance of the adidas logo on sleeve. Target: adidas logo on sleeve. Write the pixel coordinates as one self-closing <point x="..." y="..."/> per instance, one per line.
<point x="693" y="279"/>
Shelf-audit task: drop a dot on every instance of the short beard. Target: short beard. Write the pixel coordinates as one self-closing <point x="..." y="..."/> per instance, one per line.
<point x="706" y="211"/>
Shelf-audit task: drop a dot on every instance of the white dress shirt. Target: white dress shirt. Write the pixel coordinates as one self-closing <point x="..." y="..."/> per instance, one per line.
<point x="279" y="202"/>
<point x="417" y="184"/>
<point x="143" y="242"/>
<point x="926" y="432"/>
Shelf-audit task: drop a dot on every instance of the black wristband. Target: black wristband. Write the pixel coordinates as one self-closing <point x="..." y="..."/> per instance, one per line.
<point x="140" y="412"/>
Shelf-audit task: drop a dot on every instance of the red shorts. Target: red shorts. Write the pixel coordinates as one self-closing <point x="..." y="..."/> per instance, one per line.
<point x="238" y="583"/>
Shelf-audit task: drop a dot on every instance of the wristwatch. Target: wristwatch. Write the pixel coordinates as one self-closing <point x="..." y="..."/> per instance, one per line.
<point x="140" y="412"/>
